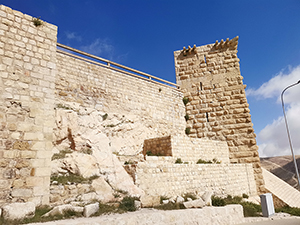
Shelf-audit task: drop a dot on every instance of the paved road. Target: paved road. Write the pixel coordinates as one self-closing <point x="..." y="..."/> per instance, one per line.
<point x="276" y="222"/>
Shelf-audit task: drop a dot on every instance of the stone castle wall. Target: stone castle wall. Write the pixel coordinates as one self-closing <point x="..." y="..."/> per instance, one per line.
<point x="166" y="179"/>
<point x="93" y="86"/>
<point x="27" y="81"/>
<point x="210" y="78"/>
<point x="52" y="101"/>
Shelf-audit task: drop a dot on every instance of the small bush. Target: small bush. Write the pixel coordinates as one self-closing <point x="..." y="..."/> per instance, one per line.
<point x="37" y="22"/>
<point x="170" y="206"/>
<point x="122" y="191"/>
<point x="185" y="100"/>
<point x="250" y="209"/>
<point x="187" y="117"/>
<point x="127" y="204"/>
<point x="72" y="178"/>
<point x="178" y="161"/>
<point x="61" y="154"/>
<point x="245" y="196"/>
<point x="105" y="209"/>
<point x="149" y="153"/>
<point x="202" y="161"/>
<point x="187" y="130"/>
<point x="217" y="201"/>
<point x="104" y="117"/>
<point x="290" y="210"/>
<point x="61" y="106"/>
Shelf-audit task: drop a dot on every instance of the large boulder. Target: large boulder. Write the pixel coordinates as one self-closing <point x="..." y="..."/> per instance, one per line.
<point x="198" y="203"/>
<point x="149" y="200"/>
<point x="18" y="211"/>
<point x="102" y="189"/>
<point x="90" y="209"/>
<point x="62" y="208"/>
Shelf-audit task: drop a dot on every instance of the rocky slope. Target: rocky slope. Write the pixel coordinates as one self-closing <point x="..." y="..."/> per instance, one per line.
<point x="283" y="167"/>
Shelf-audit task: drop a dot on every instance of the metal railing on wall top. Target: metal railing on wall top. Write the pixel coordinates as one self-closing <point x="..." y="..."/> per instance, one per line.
<point x="114" y="66"/>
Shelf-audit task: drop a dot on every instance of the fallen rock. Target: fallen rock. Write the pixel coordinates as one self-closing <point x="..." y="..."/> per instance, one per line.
<point x="165" y="201"/>
<point x="179" y="199"/>
<point x="17" y="211"/>
<point x="62" y="208"/>
<point x="137" y="204"/>
<point x="90" y="209"/>
<point x="150" y="200"/>
<point x="102" y="189"/>
<point x="199" y="203"/>
<point x="207" y="198"/>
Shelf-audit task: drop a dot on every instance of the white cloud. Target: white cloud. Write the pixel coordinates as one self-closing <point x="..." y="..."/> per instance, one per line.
<point x="73" y="36"/>
<point x="273" y="138"/>
<point x="276" y="85"/>
<point x="100" y="47"/>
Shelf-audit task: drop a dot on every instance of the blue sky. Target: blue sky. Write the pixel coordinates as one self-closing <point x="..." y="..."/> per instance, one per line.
<point x="143" y="35"/>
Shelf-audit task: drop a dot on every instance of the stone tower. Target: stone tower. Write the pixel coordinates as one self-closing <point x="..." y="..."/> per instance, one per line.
<point x="210" y="78"/>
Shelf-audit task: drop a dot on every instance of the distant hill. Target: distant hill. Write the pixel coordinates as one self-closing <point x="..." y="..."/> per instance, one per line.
<point x="283" y="167"/>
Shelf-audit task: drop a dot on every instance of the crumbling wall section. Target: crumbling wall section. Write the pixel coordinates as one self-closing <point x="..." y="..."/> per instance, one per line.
<point x="210" y="78"/>
<point x="27" y="75"/>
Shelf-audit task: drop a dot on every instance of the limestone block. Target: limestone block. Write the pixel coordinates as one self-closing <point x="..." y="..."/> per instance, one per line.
<point x="62" y="208"/>
<point x="21" y="192"/>
<point x="150" y="200"/>
<point x="137" y="204"/>
<point x="207" y="198"/>
<point x="90" y="209"/>
<point x="16" y="211"/>
<point x="103" y="190"/>
<point x="198" y="203"/>
<point x="179" y="199"/>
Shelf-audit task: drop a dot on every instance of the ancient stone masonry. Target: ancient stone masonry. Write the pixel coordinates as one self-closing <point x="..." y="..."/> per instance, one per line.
<point x="210" y="78"/>
<point x="66" y="116"/>
<point x="27" y="75"/>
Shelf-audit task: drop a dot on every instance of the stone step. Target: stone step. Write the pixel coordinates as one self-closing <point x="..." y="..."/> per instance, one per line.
<point x="281" y="189"/>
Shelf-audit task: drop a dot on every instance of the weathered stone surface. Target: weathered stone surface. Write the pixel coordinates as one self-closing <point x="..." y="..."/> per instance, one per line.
<point x="102" y="189"/>
<point x="90" y="209"/>
<point x="62" y="208"/>
<point x="199" y="203"/>
<point x="149" y="201"/>
<point x="230" y="215"/>
<point x="207" y="198"/>
<point x="16" y="211"/>
<point x="179" y="199"/>
<point x="137" y="204"/>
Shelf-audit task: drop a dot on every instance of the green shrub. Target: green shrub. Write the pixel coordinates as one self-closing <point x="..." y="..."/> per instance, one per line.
<point x="250" y="209"/>
<point x="187" y="117"/>
<point x="170" y="206"/>
<point x="127" y="204"/>
<point x="187" y="130"/>
<point x="185" y="100"/>
<point x="245" y="196"/>
<point x="104" y="117"/>
<point x="72" y="178"/>
<point x="61" y="154"/>
<point x="178" y="161"/>
<point x="37" y="22"/>
<point x="217" y="201"/>
<point x="290" y="210"/>
<point x="201" y="161"/>
<point x="106" y="208"/>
